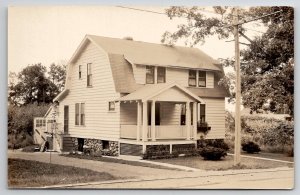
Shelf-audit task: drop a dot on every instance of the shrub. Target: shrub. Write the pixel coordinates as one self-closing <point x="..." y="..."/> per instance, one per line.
<point x="212" y="153"/>
<point x="217" y="143"/>
<point x="159" y="152"/>
<point x="250" y="147"/>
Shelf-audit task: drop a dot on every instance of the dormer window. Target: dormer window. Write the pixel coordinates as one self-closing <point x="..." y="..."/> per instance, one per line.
<point x="202" y="79"/>
<point x="149" y="74"/>
<point x="192" y="78"/>
<point x="161" y="74"/>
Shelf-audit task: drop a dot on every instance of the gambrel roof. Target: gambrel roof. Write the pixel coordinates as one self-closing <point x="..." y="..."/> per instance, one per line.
<point x="123" y="54"/>
<point x="144" y="53"/>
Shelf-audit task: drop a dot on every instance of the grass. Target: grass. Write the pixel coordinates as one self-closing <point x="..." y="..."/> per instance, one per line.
<point x="31" y="148"/>
<point x="26" y="173"/>
<point x="224" y="164"/>
<point x="276" y="156"/>
<point x="115" y="160"/>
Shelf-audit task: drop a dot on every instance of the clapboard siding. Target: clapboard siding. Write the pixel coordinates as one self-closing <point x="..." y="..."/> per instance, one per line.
<point x="209" y="80"/>
<point x="99" y="122"/>
<point x="139" y="74"/>
<point x="178" y="75"/>
<point x="215" y="117"/>
<point x="128" y="113"/>
<point x="170" y="114"/>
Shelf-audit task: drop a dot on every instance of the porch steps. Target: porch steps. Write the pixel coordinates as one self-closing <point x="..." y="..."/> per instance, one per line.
<point x="67" y="145"/>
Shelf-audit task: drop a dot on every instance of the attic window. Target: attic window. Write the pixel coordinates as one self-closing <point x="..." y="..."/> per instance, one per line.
<point x="79" y="71"/>
<point x="89" y="74"/>
<point x="149" y="74"/>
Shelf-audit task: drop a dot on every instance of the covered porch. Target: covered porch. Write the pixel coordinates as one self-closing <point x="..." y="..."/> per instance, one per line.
<point x="158" y="113"/>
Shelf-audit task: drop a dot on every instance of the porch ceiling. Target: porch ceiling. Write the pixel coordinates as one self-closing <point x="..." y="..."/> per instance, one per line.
<point x="154" y="92"/>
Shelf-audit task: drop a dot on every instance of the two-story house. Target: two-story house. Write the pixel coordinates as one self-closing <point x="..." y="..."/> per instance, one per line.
<point x="123" y="95"/>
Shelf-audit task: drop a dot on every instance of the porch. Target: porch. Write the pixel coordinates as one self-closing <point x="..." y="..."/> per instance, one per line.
<point x="159" y="112"/>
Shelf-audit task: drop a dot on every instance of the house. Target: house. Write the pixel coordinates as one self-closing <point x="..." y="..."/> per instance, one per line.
<point x="123" y="95"/>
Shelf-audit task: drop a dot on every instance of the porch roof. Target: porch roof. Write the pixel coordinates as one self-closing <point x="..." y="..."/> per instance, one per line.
<point x="149" y="91"/>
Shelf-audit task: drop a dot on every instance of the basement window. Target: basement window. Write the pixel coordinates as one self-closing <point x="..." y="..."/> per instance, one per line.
<point x="105" y="144"/>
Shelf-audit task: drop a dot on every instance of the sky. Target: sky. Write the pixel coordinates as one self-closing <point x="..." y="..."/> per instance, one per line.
<point x="52" y="34"/>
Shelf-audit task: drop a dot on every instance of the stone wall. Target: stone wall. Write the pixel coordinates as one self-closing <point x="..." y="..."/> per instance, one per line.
<point x="95" y="147"/>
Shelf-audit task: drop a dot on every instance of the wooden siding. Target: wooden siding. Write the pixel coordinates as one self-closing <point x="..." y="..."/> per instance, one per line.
<point x="99" y="122"/>
<point x="180" y="76"/>
<point x="139" y="74"/>
<point x="128" y="113"/>
<point x="170" y="114"/>
<point x="215" y="117"/>
<point x="209" y="80"/>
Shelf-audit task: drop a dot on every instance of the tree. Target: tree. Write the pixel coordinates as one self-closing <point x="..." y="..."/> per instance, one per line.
<point x="267" y="65"/>
<point x="57" y="75"/>
<point x="32" y="87"/>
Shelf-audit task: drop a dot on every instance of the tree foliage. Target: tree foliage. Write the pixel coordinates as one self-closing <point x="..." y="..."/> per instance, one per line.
<point x="34" y="86"/>
<point x="267" y="65"/>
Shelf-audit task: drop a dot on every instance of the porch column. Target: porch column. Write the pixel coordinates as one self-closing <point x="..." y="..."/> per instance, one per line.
<point x="145" y="121"/>
<point x="153" y="121"/>
<point x="139" y="120"/>
<point x="188" y="121"/>
<point x="195" y="120"/>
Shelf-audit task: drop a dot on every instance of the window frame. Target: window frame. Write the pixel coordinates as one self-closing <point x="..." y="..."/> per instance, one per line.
<point x="161" y="73"/>
<point x="80" y="72"/>
<point x="189" y="78"/>
<point x="110" y="109"/>
<point x="89" y="75"/>
<point x="80" y="114"/>
<point x="150" y="74"/>
<point x="202" y="78"/>
<point x="202" y="113"/>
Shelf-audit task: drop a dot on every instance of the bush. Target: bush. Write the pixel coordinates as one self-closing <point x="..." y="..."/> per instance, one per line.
<point x="212" y="153"/>
<point x="250" y="147"/>
<point x="20" y="123"/>
<point x="217" y="143"/>
<point x="159" y="152"/>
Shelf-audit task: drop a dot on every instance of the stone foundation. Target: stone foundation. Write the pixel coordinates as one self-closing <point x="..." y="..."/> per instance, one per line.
<point x="94" y="147"/>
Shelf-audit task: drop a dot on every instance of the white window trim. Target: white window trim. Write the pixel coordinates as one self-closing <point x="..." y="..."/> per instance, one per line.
<point x="111" y="111"/>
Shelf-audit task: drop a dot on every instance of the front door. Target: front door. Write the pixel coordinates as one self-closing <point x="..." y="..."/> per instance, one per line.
<point x="66" y="119"/>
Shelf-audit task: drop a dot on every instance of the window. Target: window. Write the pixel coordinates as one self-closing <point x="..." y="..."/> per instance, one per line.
<point x="76" y="114"/>
<point x="192" y="78"/>
<point x="82" y="115"/>
<point x="202" y="79"/>
<point x="111" y="106"/>
<point x="161" y="75"/>
<point x="79" y="71"/>
<point x="79" y="114"/>
<point x="89" y="74"/>
<point x="149" y="74"/>
<point x="105" y="144"/>
<point x="40" y="123"/>
<point x="202" y="113"/>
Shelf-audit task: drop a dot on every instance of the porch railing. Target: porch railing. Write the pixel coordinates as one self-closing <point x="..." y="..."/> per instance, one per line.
<point x="161" y="132"/>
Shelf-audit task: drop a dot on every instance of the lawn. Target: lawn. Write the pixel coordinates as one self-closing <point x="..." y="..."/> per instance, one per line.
<point x="224" y="164"/>
<point x="25" y="173"/>
<point x="276" y="156"/>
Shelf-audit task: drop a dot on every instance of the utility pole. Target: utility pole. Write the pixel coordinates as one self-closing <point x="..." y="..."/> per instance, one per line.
<point x="237" y="133"/>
